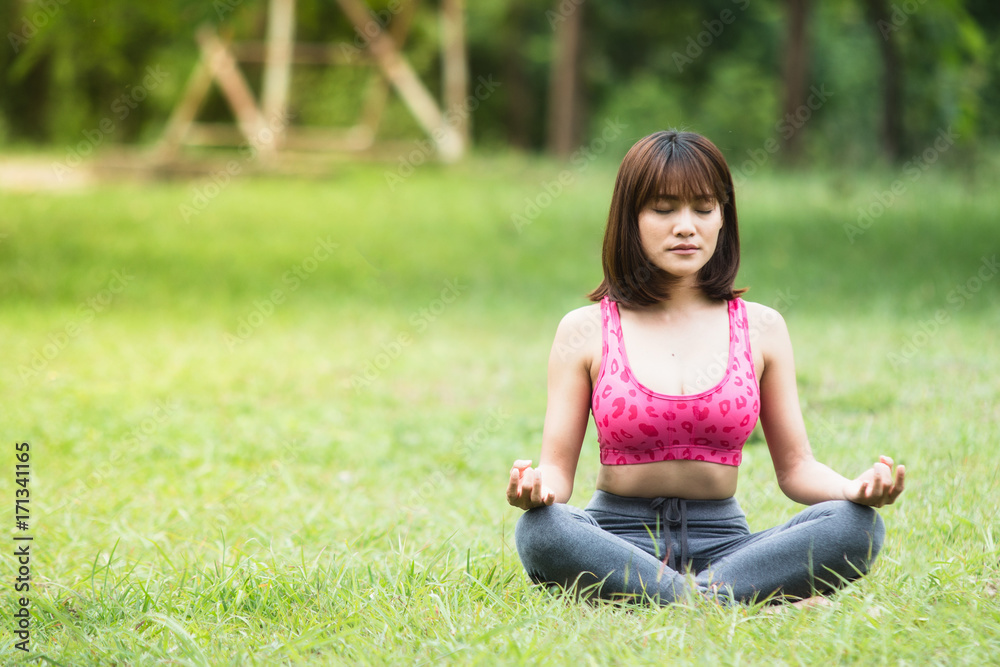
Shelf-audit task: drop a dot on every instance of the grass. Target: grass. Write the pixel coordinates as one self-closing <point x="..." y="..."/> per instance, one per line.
<point x="327" y="488"/>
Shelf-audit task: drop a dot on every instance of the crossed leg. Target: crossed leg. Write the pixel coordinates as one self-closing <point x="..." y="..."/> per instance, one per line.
<point x="818" y="550"/>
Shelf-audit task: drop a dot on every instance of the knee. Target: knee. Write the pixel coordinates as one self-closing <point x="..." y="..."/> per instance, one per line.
<point x="537" y="532"/>
<point x="861" y="527"/>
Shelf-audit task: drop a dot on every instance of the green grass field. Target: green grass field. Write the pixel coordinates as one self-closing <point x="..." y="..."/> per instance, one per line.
<point x="279" y="432"/>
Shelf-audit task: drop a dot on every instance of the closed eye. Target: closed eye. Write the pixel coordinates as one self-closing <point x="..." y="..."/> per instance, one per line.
<point x="665" y="211"/>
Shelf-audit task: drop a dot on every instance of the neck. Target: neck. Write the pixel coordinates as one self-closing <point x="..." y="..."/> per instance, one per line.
<point x="685" y="295"/>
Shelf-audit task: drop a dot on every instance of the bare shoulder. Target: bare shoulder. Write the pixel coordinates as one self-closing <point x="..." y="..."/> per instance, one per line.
<point x="579" y="334"/>
<point x="763" y="317"/>
<point x="767" y="328"/>
<point x="584" y="317"/>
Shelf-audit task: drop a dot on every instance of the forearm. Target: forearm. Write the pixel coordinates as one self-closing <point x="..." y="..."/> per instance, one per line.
<point x="812" y="482"/>
<point x="558" y="480"/>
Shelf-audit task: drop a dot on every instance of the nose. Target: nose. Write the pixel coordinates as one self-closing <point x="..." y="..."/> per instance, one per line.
<point x="684" y="222"/>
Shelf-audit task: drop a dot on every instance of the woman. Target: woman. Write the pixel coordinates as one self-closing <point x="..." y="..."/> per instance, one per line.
<point x="676" y="369"/>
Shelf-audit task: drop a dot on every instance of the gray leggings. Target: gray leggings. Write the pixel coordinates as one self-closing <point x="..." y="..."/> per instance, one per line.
<point x="637" y="548"/>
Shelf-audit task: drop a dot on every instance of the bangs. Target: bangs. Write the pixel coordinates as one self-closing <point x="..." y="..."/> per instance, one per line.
<point x="665" y="164"/>
<point x="677" y="170"/>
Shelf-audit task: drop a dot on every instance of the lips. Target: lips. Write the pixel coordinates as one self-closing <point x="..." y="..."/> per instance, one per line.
<point x="684" y="249"/>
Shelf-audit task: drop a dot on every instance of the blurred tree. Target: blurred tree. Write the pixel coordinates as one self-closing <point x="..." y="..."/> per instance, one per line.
<point x="79" y="63"/>
<point x="732" y="69"/>
<point x="947" y="53"/>
<point x="985" y="14"/>
<point x="521" y="107"/>
<point x="796" y="72"/>
<point x="883" y="20"/>
<point x="565" y="98"/>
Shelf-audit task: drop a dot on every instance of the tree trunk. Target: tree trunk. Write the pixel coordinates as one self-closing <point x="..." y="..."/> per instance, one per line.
<point x="520" y="111"/>
<point x="796" y="74"/>
<point x="891" y="129"/>
<point x="564" y="112"/>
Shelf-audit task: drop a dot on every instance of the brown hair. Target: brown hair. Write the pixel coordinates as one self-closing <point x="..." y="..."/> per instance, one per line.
<point x="681" y="164"/>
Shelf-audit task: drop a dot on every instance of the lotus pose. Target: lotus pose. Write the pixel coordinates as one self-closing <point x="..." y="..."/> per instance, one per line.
<point x="677" y="369"/>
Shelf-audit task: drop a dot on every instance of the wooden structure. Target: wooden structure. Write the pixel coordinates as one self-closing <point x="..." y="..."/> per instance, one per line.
<point x="265" y="125"/>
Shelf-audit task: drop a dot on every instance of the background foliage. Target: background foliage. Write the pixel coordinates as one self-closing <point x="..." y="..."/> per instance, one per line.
<point x="68" y="60"/>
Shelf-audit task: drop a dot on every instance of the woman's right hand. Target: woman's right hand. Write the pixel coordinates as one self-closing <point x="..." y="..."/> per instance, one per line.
<point x="525" y="489"/>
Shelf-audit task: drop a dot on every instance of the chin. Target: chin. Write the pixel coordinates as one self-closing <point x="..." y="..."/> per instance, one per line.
<point x="683" y="272"/>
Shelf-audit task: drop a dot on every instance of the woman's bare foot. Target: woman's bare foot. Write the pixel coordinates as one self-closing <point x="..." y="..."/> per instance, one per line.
<point x="814" y="601"/>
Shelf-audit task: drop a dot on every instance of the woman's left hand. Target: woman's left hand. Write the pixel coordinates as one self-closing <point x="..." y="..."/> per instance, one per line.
<point x="879" y="485"/>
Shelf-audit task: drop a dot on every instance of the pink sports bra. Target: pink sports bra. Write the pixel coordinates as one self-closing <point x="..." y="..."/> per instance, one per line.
<point x="638" y="425"/>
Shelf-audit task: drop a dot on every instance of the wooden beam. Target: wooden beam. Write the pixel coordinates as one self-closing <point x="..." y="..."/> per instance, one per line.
<point x="377" y="93"/>
<point x="454" y="66"/>
<point x="307" y="139"/>
<point x="406" y="82"/>
<point x="184" y="114"/>
<point x="304" y="53"/>
<point x="236" y="91"/>
<point x="219" y="63"/>
<point x="213" y="134"/>
<point x="278" y="66"/>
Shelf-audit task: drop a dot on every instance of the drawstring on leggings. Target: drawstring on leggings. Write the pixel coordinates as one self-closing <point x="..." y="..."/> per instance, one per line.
<point x="673" y="512"/>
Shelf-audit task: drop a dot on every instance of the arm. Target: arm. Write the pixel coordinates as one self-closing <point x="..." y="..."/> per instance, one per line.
<point x="800" y="476"/>
<point x="566" y="414"/>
